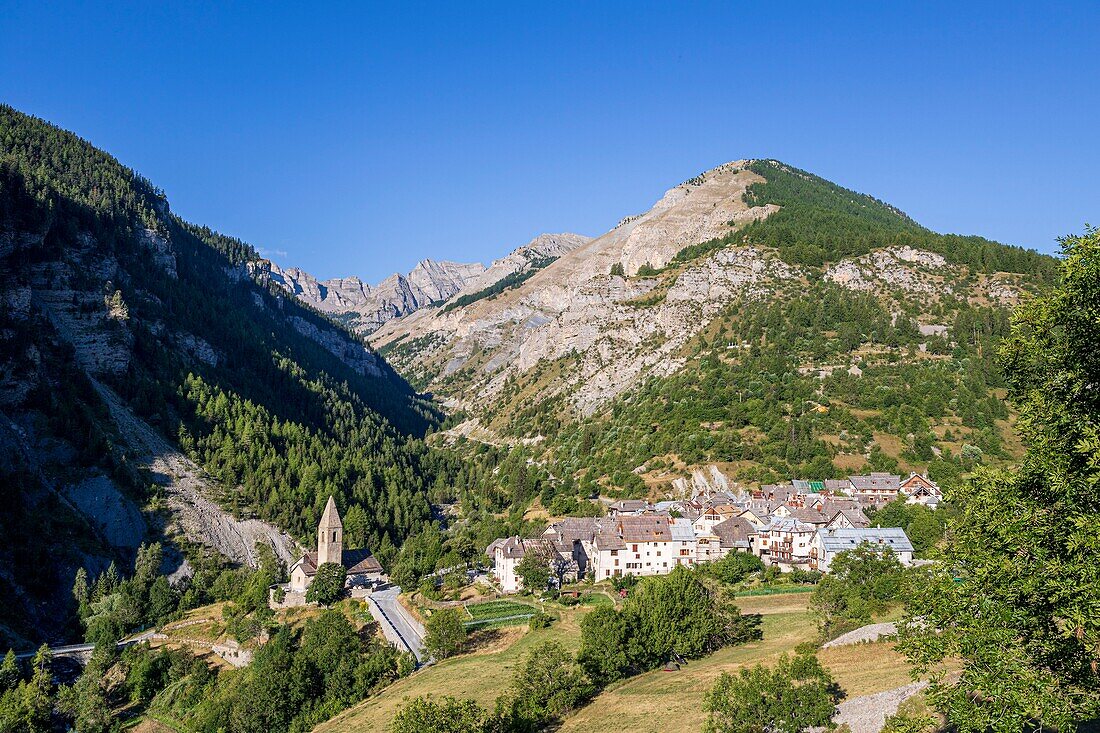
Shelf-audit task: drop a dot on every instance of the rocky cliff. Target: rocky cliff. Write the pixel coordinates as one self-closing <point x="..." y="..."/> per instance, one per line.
<point x="623" y="307"/>
<point x="365" y="308"/>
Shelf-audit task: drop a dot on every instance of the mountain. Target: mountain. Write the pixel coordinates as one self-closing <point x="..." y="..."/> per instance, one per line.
<point x="364" y="308"/>
<point x="155" y="384"/>
<point x="704" y="328"/>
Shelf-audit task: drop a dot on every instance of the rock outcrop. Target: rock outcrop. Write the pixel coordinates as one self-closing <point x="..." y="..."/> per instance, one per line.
<point x="369" y="307"/>
<point x="430" y="283"/>
<point x="607" y="331"/>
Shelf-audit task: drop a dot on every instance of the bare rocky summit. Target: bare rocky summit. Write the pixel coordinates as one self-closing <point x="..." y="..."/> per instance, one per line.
<point x="430" y="283"/>
<point x="620" y="308"/>
<point x="612" y="329"/>
<point x="371" y="306"/>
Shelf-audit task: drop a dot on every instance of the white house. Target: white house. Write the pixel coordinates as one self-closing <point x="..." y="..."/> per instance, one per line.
<point x="638" y="545"/>
<point x="507" y="554"/>
<point x="829" y="542"/>
<point x="786" y="543"/>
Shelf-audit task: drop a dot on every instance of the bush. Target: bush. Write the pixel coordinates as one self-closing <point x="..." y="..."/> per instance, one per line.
<point x="328" y="584"/>
<point x="664" y="615"/>
<point x="444" y="633"/>
<point x="797" y="694"/>
<point x="539" y="621"/>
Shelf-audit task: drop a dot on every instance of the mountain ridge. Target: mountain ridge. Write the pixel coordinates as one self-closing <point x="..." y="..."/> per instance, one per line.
<point x="365" y="308"/>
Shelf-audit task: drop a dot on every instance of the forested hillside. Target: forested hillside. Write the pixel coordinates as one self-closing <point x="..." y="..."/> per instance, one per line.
<point x="103" y="285"/>
<point x="874" y="350"/>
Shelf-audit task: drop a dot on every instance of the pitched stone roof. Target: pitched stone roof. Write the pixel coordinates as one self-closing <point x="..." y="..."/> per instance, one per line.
<point x="855" y="516"/>
<point x="734" y="532"/>
<point x="643" y="529"/>
<point x="356" y="562"/>
<point x="331" y="518"/>
<point x="876" y="481"/>
<point x="809" y="516"/>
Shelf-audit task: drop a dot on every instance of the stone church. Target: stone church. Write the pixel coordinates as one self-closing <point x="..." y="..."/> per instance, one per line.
<point x="360" y="564"/>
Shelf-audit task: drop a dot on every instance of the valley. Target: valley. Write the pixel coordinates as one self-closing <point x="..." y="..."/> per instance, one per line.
<point x="760" y="368"/>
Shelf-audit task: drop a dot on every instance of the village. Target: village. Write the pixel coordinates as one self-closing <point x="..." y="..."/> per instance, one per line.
<point x="802" y="525"/>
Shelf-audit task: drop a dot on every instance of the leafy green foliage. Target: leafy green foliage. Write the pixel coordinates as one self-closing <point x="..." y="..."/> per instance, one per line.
<point x="1017" y="596"/>
<point x="27" y="707"/>
<point x="923" y="526"/>
<point x="535" y="571"/>
<point x="821" y="222"/>
<point x="733" y="568"/>
<point x="444" y="633"/>
<point x="440" y="715"/>
<point x="861" y="582"/>
<point x="798" y="693"/>
<point x="662" y="616"/>
<point x="547" y="686"/>
<point x="751" y="404"/>
<point x="328" y="584"/>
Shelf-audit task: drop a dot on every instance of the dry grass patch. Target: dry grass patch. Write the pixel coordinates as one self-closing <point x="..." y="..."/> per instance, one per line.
<point x="481" y="676"/>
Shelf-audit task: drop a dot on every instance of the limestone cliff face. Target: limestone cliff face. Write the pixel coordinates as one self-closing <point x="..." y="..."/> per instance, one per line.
<point x="607" y="330"/>
<point x="369" y="307"/>
<point x="593" y="324"/>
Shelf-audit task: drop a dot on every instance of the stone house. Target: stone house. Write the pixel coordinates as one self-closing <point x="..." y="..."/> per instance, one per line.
<point x="875" y="489"/>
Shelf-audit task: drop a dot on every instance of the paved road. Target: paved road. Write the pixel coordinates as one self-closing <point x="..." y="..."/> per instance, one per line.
<point x="399" y="620"/>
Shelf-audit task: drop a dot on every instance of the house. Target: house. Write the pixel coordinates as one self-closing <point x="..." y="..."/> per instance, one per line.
<point x="360" y="565"/>
<point x="837" y="486"/>
<point x="508" y="553"/>
<point x="875" y="489"/>
<point x="683" y="541"/>
<point x="919" y="489"/>
<point x="785" y="543"/>
<point x="629" y="507"/>
<point x="572" y="538"/>
<point x="714" y="513"/>
<point x="848" y="519"/>
<point x="634" y="545"/>
<point x="816" y="516"/>
<point x="829" y="542"/>
<point x="757" y="517"/>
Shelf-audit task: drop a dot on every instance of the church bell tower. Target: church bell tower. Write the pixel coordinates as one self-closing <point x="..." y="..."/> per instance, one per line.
<point x="330" y="536"/>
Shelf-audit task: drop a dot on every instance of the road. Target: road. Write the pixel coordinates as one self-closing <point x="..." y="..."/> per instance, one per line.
<point x="85" y="650"/>
<point x="400" y="622"/>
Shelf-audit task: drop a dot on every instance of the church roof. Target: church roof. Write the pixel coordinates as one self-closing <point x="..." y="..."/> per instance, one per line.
<point x="355" y="561"/>
<point x="331" y="518"/>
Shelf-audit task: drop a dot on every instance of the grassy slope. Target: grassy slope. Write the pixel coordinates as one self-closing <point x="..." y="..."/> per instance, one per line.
<point x="656" y="701"/>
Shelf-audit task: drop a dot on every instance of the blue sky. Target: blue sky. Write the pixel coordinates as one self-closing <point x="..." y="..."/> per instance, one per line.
<point x="360" y="138"/>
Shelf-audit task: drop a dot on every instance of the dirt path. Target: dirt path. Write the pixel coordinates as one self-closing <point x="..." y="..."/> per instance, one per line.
<point x="868" y="713"/>
<point x="870" y="632"/>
